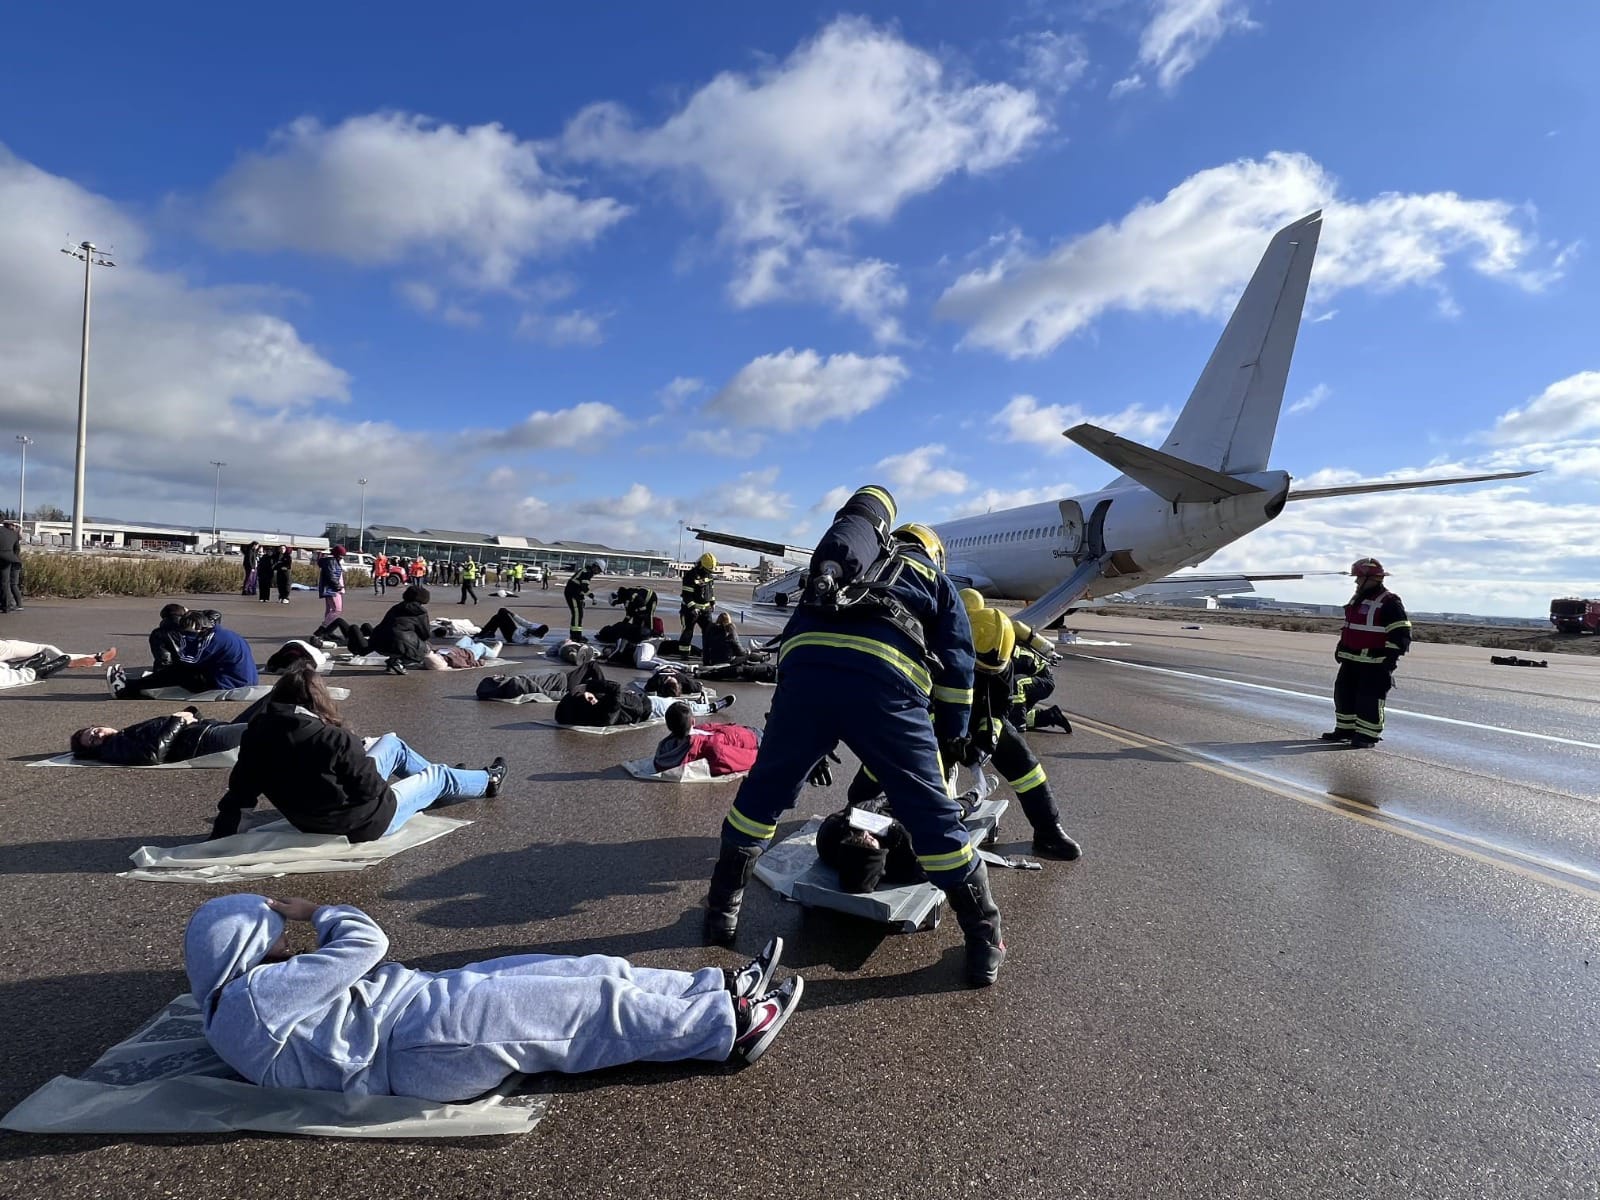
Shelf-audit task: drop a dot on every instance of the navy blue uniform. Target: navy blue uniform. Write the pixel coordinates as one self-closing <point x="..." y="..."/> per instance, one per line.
<point x="863" y="682"/>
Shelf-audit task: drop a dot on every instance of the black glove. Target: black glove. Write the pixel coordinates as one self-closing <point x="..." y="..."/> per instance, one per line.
<point x="958" y="750"/>
<point x="822" y="774"/>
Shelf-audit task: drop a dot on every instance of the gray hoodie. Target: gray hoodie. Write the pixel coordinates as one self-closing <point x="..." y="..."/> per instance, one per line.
<point x="319" y="1020"/>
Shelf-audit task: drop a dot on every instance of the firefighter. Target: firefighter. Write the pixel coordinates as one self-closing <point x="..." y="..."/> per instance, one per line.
<point x="577" y="591"/>
<point x="699" y="595"/>
<point x="1031" y="663"/>
<point x="1376" y="633"/>
<point x="993" y="734"/>
<point x="867" y="674"/>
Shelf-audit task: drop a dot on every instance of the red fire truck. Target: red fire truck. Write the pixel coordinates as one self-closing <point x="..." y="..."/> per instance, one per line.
<point x="1573" y="615"/>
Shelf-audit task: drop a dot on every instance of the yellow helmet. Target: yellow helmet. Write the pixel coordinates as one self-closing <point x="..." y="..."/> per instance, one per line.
<point x="993" y="639"/>
<point x="708" y="561"/>
<point x="971" y="600"/>
<point x="924" y="539"/>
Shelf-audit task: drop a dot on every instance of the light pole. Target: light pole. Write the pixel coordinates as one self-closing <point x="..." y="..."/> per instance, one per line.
<point x="23" y="442"/>
<point x="680" y="542"/>
<point x="216" y="534"/>
<point x="361" y="533"/>
<point x="92" y="257"/>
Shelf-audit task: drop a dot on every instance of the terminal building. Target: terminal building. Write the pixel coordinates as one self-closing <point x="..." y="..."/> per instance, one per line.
<point x="456" y="544"/>
<point x="165" y="538"/>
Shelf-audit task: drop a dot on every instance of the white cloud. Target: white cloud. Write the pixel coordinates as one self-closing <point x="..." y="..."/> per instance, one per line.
<point x="1193" y="250"/>
<point x="993" y="499"/>
<point x="389" y="187"/>
<point x="725" y="443"/>
<point x="682" y="387"/>
<point x="425" y="298"/>
<point x="1182" y="32"/>
<point x="844" y="131"/>
<point x="1051" y="61"/>
<point x="1311" y="400"/>
<point x="917" y="473"/>
<point x="1027" y="421"/>
<point x="1126" y="85"/>
<point x="752" y="496"/>
<point x="833" y="499"/>
<point x="576" y="328"/>
<point x="581" y="425"/>
<point x="635" y="502"/>
<point x="1567" y="407"/>
<point x="799" y="389"/>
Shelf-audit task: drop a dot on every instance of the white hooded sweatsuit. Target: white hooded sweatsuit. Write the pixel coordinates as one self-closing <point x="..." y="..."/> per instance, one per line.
<point x="341" y="1019"/>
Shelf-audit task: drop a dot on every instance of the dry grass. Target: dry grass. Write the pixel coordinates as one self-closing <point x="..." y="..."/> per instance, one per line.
<point x="76" y="576"/>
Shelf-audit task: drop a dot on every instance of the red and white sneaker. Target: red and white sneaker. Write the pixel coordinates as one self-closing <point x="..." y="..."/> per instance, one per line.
<point x="757" y="1022"/>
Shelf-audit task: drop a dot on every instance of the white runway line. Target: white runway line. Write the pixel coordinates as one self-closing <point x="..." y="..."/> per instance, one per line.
<point x="1323" y="699"/>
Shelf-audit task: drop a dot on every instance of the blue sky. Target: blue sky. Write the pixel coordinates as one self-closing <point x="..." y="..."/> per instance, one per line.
<point x="579" y="274"/>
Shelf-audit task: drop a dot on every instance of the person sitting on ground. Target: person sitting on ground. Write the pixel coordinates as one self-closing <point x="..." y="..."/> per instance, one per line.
<point x="177" y="737"/>
<point x="166" y="639"/>
<point x="725" y="749"/>
<point x="865" y="860"/>
<point x="338" y="1018"/>
<point x="316" y="772"/>
<point x="720" y="643"/>
<point x="27" y="662"/>
<point x="402" y="635"/>
<point x="210" y="658"/>
<point x="592" y="699"/>
<point x="509" y="627"/>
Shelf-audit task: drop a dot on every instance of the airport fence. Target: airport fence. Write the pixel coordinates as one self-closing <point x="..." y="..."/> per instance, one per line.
<point x="77" y="576"/>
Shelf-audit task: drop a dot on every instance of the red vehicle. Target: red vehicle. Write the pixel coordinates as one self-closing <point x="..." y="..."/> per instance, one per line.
<point x="1574" y="615"/>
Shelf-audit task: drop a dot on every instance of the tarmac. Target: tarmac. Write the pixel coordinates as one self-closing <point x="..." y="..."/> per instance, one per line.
<point x="1279" y="969"/>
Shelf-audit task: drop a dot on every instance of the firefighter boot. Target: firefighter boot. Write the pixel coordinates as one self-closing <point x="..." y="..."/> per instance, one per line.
<point x="726" y="894"/>
<point x="1049" y="839"/>
<point x="979" y="919"/>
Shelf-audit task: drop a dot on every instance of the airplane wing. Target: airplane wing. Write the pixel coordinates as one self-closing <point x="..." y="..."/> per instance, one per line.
<point x="759" y="545"/>
<point x="1403" y="485"/>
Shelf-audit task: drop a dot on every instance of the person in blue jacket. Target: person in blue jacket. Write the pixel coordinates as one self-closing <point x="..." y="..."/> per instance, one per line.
<point x="210" y="658"/>
<point x="339" y="1018"/>
<point x="890" y="679"/>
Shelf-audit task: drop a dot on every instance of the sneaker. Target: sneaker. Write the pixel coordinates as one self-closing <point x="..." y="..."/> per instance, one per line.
<point x="50" y="666"/>
<point x="1337" y="735"/>
<point x="395" y="667"/>
<point x="497" y="777"/>
<point x="757" y="1022"/>
<point x="750" y="982"/>
<point x="724" y="704"/>
<point x="494" y="649"/>
<point x="116" y="681"/>
<point x="283" y="602"/>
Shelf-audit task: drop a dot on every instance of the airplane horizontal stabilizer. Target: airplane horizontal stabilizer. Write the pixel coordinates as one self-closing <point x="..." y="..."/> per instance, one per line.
<point x="1403" y="485"/>
<point x="758" y="545"/>
<point x="1170" y="477"/>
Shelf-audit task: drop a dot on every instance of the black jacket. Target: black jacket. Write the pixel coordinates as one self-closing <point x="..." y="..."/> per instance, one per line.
<point x="317" y="775"/>
<point x="158" y="740"/>
<point x="10" y="546"/>
<point x="165" y="639"/>
<point x="720" y="645"/>
<point x="403" y="632"/>
<point x="616" y="705"/>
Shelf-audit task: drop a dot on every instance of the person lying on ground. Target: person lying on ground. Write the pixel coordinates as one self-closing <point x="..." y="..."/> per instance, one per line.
<point x="507" y="626"/>
<point x="551" y="684"/>
<point x="746" y="668"/>
<point x="725" y="749"/>
<point x="673" y="682"/>
<point x="863" y="859"/>
<point x="592" y="699"/>
<point x="293" y="651"/>
<point x="720" y="643"/>
<point x="339" y="1018"/>
<point x="317" y="773"/>
<point x="177" y="737"/>
<point x="210" y="658"/>
<point x="28" y="662"/>
<point x="166" y="639"/>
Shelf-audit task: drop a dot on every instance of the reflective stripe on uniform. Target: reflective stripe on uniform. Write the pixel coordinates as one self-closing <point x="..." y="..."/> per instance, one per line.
<point x="922" y="569"/>
<point x="1360" y="656"/>
<point x="882" y="497"/>
<point x="750" y="828"/>
<point x="952" y="695"/>
<point x="946" y="862"/>
<point x="1397" y="625"/>
<point x="908" y="666"/>
<point x="1032" y="779"/>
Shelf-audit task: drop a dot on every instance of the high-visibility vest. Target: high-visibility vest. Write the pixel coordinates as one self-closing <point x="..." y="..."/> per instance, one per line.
<point x="1364" y="637"/>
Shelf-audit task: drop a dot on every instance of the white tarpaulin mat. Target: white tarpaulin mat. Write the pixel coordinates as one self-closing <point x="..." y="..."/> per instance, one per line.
<point x="379" y="660"/>
<point x="698" y="771"/>
<point x="278" y="848"/>
<point x="600" y="730"/>
<point x="218" y="696"/>
<point x="525" y="698"/>
<point x="221" y="760"/>
<point x="167" y="1079"/>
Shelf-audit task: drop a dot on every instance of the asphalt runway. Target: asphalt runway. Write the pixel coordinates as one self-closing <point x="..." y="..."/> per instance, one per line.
<point x="1279" y="970"/>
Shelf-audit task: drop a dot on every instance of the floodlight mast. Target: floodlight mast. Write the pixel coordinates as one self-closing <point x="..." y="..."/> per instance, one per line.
<point x="92" y="256"/>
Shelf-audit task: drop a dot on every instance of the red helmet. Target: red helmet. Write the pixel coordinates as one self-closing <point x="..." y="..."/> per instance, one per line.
<point x="1364" y="567"/>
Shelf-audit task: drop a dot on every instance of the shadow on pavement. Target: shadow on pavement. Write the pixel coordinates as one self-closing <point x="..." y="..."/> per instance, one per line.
<point x="84" y="855"/>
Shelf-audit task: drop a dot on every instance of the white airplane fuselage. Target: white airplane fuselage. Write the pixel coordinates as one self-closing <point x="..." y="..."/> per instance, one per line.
<point x="1020" y="553"/>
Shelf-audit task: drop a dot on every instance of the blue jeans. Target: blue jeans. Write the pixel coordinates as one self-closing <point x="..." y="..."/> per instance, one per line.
<point x="421" y="782"/>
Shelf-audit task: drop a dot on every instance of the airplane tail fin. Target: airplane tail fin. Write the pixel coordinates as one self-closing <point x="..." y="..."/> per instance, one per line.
<point x="1231" y="416"/>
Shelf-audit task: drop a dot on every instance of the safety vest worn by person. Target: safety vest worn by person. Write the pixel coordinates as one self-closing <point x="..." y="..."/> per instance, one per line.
<point x="380" y="566"/>
<point x="1376" y="630"/>
<point x="469" y="571"/>
<point x="699" y="588"/>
